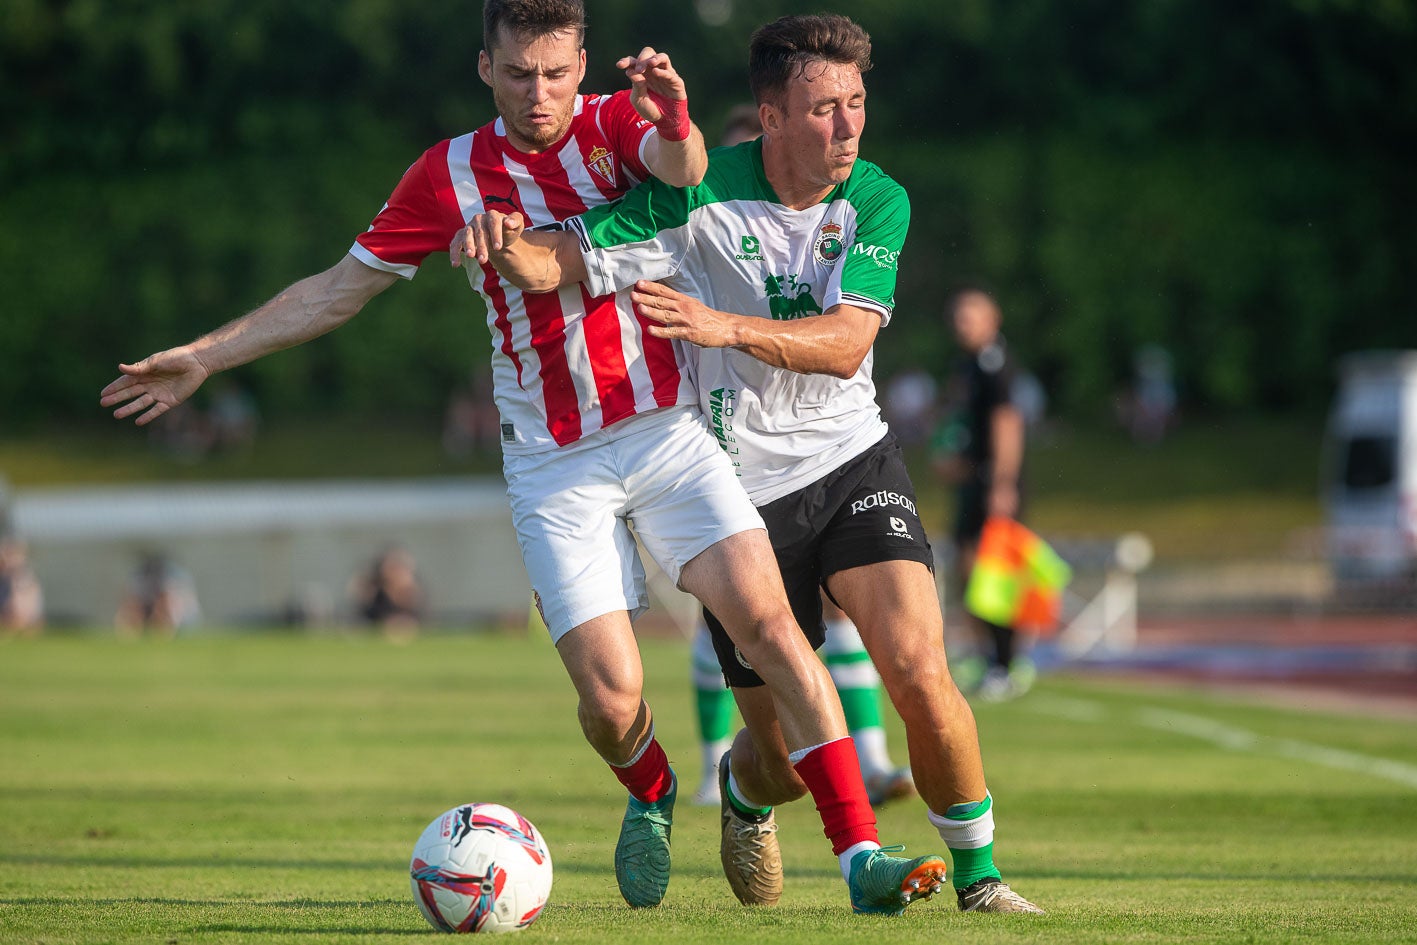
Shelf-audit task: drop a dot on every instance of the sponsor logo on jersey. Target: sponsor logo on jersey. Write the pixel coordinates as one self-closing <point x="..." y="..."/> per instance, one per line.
<point x="509" y="201"/>
<point x="789" y="299"/>
<point x="828" y="247"/>
<point x="722" y="406"/>
<point x="899" y="527"/>
<point x="738" y="655"/>
<point x="884" y="499"/>
<point x="882" y="256"/>
<point x="599" y="161"/>
<point x="750" y="249"/>
<point x="509" y="433"/>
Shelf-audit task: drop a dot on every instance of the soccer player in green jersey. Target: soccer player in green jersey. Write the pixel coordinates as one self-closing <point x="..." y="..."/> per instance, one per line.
<point x="777" y="271"/>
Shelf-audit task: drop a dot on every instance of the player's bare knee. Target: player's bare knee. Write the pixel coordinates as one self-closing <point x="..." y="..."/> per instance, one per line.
<point x="922" y="689"/>
<point x="766" y="638"/>
<point x="609" y="716"/>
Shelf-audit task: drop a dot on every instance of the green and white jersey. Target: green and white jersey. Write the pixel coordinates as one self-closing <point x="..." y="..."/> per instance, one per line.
<point x="731" y="244"/>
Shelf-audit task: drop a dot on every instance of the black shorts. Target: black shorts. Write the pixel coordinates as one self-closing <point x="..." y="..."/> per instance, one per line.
<point x="861" y="513"/>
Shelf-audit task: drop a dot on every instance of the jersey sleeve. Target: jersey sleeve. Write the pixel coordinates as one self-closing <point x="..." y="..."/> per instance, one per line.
<point x="413" y="224"/>
<point x="645" y="235"/>
<point x="868" y="273"/>
<point x="627" y="133"/>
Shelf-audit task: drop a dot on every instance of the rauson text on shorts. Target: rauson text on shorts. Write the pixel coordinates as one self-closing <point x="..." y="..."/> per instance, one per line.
<point x="879" y="500"/>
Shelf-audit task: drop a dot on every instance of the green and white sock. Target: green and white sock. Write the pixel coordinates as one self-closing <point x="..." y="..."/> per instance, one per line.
<point x="859" y="686"/>
<point x="713" y="701"/>
<point x="743" y="805"/>
<point x="968" y="831"/>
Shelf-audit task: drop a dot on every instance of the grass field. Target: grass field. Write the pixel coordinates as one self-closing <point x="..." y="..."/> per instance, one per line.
<point x="270" y="789"/>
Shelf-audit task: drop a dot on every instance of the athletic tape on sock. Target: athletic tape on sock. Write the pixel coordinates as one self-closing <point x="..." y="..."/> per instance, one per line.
<point x="978" y="831"/>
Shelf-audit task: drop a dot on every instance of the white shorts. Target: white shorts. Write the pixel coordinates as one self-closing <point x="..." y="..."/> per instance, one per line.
<point x="661" y="473"/>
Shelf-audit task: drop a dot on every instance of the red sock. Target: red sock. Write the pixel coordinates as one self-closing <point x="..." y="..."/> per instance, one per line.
<point x="833" y="775"/>
<point x="648" y="778"/>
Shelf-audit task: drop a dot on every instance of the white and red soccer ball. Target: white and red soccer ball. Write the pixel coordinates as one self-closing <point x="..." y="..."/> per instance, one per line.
<point x="480" y="868"/>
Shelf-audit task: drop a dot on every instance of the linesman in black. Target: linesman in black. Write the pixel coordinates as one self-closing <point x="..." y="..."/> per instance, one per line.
<point x="980" y="451"/>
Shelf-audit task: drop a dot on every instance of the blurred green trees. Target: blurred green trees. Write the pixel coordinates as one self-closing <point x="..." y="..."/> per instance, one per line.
<point x="1232" y="181"/>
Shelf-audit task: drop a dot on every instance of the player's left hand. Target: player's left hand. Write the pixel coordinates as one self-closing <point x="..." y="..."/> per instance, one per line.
<point x="652" y="79"/>
<point x="682" y="317"/>
<point x="486" y="235"/>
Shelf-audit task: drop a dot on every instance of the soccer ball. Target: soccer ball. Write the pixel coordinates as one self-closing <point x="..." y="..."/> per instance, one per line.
<point x="480" y="868"/>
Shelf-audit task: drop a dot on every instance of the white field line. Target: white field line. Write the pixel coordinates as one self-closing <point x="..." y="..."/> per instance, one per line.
<point x="1229" y="737"/>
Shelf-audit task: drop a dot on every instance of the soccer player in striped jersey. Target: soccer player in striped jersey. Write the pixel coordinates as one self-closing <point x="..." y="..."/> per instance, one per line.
<point x="780" y="269"/>
<point x="600" y="427"/>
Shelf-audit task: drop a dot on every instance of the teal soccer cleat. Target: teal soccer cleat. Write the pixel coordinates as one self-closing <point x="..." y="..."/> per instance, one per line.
<point x="885" y="884"/>
<point x="642" y="854"/>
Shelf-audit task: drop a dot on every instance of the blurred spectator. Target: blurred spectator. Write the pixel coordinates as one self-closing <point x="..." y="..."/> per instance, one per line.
<point x="980" y="452"/>
<point x="185" y="434"/>
<point x="232" y="418"/>
<point x="471" y="423"/>
<point x="161" y="598"/>
<point x="1151" y="409"/>
<point x="389" y="595"/>
<point x="742" y="124"/>
<point x="313" y="606"/>
<point x="910" y="405"/>
<point x="21" y="598"/>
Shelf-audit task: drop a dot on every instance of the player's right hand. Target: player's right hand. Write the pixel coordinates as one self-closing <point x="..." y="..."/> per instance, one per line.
<point x="155" y="384"/>
<point x="485" y="234"/>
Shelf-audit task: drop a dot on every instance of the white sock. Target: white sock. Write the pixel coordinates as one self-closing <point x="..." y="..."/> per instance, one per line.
<point x="871" y="750"/>
<point x="712" y="752"/>
<point x="847" y="855"/>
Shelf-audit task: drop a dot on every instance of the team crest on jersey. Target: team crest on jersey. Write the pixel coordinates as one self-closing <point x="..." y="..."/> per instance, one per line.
<point x="828" y="247"/>
<point x="599" y="161"/>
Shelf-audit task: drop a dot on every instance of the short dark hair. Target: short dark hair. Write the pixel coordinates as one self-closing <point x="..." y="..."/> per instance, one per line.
<point x="531" y="18"/>
<point x="782" y="48"/>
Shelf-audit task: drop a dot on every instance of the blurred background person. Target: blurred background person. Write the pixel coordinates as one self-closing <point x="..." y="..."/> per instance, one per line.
<point x="389" y="595"/>
<point x="232" y="418"/>
<point x="980" y="453"/>
<point x="185" y="436"/>
<point x="1151" y="408"/>
<point x="21" y="597"/>
<point x="161" y="598"/>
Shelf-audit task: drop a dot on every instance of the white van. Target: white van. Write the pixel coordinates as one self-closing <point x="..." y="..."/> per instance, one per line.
<point x="1370" y="488"/>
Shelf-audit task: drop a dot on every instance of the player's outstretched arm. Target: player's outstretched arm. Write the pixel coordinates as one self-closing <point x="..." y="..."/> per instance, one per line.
<point x="532" y="260"/>
<point x="835" y="342"/>
<point x="306" y="310"/>
<point x="677" y="154"/>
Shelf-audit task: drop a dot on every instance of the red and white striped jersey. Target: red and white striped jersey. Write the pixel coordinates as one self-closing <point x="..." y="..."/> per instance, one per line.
<point x="567" y="363"/>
